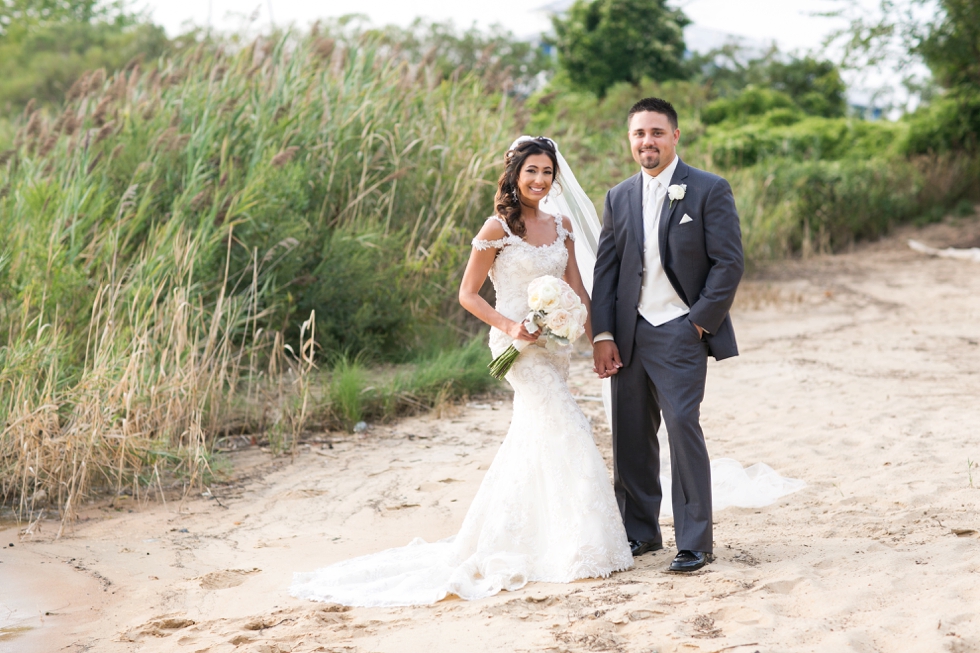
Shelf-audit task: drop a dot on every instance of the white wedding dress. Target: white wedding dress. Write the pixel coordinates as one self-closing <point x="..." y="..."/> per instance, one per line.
<point x="545" y="510"/>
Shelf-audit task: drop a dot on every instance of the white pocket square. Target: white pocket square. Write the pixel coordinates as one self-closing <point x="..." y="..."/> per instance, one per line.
<point x="686" y="219"/>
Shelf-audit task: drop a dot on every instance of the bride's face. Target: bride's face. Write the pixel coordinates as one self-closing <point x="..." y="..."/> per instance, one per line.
<point x="537" y="175"/>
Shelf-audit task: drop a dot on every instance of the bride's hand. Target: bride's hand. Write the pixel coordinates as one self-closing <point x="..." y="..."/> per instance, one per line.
<point x="518" y="331"/>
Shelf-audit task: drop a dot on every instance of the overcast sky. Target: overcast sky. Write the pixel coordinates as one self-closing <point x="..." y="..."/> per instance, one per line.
<point x="788" y="22"/>
<point x="792" y="24"/>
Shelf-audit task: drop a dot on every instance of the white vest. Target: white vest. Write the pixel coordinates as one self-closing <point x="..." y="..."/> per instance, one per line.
<point x="659" y="302"/>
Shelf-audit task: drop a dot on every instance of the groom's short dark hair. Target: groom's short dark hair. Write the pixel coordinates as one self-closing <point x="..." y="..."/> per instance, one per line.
<point x="655" y="105"/>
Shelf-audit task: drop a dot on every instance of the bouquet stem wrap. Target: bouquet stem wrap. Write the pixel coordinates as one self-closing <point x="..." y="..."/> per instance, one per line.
<point x="500" y="365"/>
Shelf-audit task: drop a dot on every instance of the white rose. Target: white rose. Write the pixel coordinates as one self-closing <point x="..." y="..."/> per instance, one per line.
<point x="560" y="321"/>
<point x="579" y="314"/>
<point x="543" y="294"/>
<point x="534" y="300"/>
<point x="569" y="298"/>
<point x="676" y="192"/>
<point x="554" y="304"/>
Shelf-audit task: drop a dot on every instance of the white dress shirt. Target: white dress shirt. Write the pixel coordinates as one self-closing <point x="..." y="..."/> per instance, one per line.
<point x="659" y="302"/>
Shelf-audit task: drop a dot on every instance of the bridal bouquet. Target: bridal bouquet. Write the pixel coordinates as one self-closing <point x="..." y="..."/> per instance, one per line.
<point x="556" y="311"/>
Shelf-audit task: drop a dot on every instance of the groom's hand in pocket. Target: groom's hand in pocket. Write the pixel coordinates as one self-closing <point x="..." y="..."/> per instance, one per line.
<point x="605" y="353"/>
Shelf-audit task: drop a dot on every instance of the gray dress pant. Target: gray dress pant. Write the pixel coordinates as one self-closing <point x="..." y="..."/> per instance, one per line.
<point x="666" y="375"/>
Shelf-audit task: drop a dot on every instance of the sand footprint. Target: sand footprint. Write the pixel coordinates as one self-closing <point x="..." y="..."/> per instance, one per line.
<point x="162" y="626"/>
<point x="219" y="580"/>
<point x="782" y="586"/>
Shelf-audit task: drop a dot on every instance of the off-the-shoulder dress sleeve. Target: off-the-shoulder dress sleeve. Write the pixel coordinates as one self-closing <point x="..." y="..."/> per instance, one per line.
<point x="562" y="231"/>
<point x="482" y="245"/>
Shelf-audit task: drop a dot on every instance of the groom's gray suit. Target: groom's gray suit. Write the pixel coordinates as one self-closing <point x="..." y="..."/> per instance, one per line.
<point x="664" y="366"/>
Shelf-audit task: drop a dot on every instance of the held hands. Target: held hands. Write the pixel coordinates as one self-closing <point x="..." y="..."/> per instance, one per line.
<point x="605" y="353"/>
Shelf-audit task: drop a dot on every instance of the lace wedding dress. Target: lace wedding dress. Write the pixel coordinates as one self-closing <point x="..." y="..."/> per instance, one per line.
<point x="545" y="510"/>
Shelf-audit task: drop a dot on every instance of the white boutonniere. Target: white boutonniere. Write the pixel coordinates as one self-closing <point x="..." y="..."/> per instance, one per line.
<point x="676" y="192"/>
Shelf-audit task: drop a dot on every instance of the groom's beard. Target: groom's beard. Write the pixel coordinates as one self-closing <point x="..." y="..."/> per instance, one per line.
<point x="650" y="159"/>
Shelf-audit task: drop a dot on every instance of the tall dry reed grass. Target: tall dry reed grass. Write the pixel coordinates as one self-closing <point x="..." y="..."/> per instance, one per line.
<point x="167" y="239"/>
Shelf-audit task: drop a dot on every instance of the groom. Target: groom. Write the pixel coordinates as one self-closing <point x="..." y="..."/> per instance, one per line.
<point x="669" y="261"/>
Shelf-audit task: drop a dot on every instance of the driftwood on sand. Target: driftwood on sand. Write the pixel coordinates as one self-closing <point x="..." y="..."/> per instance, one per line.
<point x="971" y="254"/>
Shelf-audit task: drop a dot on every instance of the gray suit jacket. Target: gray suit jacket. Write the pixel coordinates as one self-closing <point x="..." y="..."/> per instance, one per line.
<point x="702" y="258"/>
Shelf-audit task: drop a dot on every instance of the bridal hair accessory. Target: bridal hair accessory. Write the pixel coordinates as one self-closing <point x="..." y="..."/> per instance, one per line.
<point x="556" y="311"/>
<point x="676" y="192"/>
<point x="524" y="139"/>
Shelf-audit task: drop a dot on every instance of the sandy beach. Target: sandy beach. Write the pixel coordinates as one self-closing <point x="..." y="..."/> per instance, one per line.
<point x="859" y="373"/>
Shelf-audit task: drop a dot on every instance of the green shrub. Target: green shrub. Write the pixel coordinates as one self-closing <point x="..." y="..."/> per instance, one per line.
<point x="964" y="208"/>
<point x="948" y="124"/>
<point x="753" y="101"/>
<point x="782" y="117"/>
<point x="815" y="86"/>
<point x="813" y="138"/>
<point x="361" y="295"/>
<point x="805" y="207"/>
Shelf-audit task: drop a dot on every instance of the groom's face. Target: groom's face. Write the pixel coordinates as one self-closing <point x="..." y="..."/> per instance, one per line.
<point x="653" y="140"/>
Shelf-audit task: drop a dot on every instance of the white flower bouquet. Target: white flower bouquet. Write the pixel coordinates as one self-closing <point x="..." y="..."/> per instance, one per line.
<point x="556" y="311"/>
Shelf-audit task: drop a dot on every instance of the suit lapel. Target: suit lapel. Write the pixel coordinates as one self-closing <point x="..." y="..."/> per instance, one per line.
<point x="636" y="210"/>
<point x="680" y="173"/>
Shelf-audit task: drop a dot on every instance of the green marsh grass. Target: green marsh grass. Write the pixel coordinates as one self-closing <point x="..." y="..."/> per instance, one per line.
<point x="356" y="392"/>
<point x="348" y="383"/>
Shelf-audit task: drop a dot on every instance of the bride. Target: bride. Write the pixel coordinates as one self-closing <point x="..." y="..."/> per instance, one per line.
<point x="545" y="510"/>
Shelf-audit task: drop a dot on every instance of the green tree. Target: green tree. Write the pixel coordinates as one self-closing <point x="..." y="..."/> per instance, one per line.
<point x="729" y="69"/>
<point x="46" y="45"/>
<point x="18" y="16"/>
<point x="943" y="34"/>
<point x="950" y="45"/>
<point x="816" y="86"/>
<point x="601" y="42"/>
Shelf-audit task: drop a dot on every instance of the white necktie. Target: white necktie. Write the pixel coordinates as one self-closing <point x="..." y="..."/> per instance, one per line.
<point x="650" y="210"/>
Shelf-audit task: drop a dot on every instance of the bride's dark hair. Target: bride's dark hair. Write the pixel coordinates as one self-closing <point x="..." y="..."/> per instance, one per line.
<point x="507" y="201"/>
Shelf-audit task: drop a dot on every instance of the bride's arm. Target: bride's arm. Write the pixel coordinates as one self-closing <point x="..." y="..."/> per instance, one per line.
<point x="476" y="272"/>
<point x="574" y="278"/>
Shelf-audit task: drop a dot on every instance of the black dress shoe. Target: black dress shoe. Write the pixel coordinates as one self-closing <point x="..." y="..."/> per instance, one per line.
<point x="639" y="548"/>
<point x="690" y="560"/>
